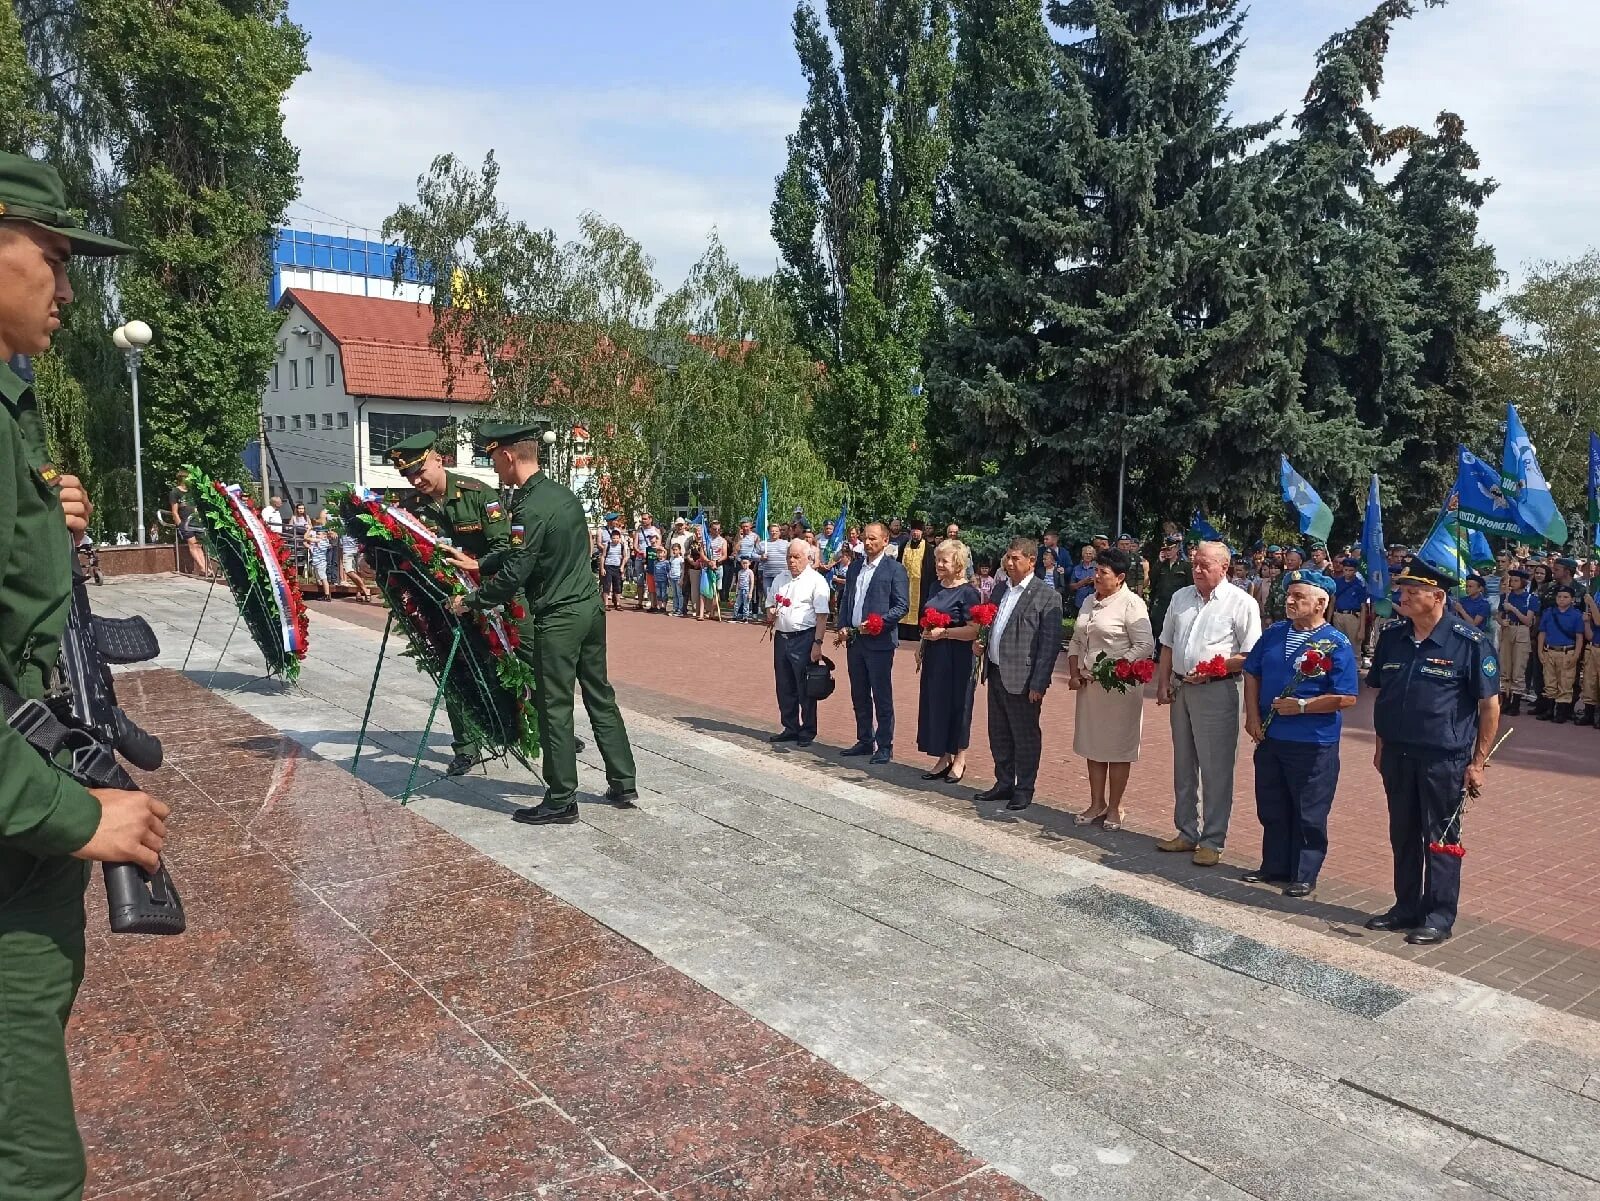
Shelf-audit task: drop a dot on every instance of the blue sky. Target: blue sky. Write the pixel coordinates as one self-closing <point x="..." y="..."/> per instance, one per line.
<point x="670" y="118"/>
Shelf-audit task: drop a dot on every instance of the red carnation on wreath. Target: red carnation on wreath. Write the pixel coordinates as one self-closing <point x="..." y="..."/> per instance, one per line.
<point x="517" y="611"/>
<point x="936" y="619"/>
<point x="872" y="625"/>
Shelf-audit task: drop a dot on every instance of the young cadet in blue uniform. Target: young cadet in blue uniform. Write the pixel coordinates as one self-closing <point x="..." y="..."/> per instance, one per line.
<point x="50" y="826"/>
<point x="1519" y="623"/>
<point x="1349" y="600"/>
<point x="1436" y="715"/>
<point x="1297" y="736"/>
<point x="1560" y="647"/>
<point x="1591" y="663"/>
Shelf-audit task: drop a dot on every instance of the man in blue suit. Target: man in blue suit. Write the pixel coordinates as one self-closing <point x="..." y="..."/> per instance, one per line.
<point x="877" y="584"/>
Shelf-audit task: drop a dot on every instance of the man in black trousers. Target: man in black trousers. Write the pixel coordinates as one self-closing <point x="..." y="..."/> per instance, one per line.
<point x="1023" y="644"/>
<point x="797" y="611"/>
<point x="876" y="587"/>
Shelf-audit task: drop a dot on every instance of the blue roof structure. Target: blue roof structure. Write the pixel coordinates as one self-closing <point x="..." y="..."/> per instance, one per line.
<point x="312" y="251"/>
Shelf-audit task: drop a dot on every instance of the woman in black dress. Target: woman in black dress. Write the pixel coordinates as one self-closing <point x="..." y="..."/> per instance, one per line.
<point x="944" y="657"/>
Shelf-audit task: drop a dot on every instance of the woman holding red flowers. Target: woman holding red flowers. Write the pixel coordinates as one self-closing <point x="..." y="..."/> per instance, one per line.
<point x="944" y="658"/>
<point x="1298" y="680"/>
<point x="1114" y="623"/>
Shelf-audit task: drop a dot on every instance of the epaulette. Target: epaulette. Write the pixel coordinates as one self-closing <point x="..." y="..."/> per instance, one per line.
<point x="468" y="484"/>
<point x="1468" y="632"/>
<point x="1394" y="623"/>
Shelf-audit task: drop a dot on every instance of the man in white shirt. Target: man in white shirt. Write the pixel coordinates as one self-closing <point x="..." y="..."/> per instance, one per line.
<point x="797" y="611"/>
<point x="1209" y="620"/>
<point x="680" y="536"/>
<point x="272" y="515"/>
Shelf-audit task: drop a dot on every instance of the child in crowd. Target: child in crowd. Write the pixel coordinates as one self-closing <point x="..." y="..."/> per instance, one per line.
<point x="742" y="610"/>
<point x="349" y="559"/>
<point x="318" y="543"/>
<point x="985" y="580"/>
<point x="647" y="589"/>
<point x="675" y="578"/>
<point x="662" y="577"/>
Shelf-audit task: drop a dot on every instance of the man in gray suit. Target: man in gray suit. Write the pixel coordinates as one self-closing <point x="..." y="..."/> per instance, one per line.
<point x="1023" y="644"/>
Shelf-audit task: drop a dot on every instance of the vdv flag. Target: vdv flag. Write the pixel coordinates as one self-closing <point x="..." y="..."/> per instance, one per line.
<point x="761" y="512"/>
<point x="1316" y="519"/>
<point x="1531" y="498"/>
<point x="837" y="540"/>
<point x="1484" y="502"/>
<point x="1375" y="557"/>
<point x="1453" y="547"/>
<point x="1203" y="531"/>
<point x="1594" y="489"/>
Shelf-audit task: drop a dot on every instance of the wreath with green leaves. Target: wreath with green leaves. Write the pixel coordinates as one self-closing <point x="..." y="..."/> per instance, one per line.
<point x="473" y="658"/>
<point x="255" y="562"/>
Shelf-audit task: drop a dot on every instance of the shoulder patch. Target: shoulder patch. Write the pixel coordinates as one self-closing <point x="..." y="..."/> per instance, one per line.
<point x="467" y="484"/>
<point x="1468" y="632"/>
<point x="1491" y="668"/>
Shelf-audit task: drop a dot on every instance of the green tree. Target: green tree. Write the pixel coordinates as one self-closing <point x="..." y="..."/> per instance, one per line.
<point x="193" y="90"/>
<point x="853" y="212"/>
<point x="1128" y="301"/>
<point x="1552" y="371"/>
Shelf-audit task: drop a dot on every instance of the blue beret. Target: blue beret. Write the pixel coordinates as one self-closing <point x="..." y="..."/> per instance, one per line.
<point x="1307" y="575"/>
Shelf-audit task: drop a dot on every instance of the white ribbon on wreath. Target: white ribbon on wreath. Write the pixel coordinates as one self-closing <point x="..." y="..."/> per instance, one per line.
<point x="245" y="514"/>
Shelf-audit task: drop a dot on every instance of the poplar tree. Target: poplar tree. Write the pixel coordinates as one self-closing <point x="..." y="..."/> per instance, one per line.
<point x="852" y="215"/>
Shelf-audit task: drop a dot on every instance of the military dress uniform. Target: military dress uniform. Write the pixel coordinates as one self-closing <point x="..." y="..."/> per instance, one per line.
<point x="1426" y="714"/>
<point x="548" y="559"/>
<point x="472" y="516"/>
<point x="44" y="815"/>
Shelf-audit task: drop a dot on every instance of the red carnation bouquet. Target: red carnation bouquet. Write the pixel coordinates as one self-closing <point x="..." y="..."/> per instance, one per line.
<point x="935" y="619"/>
<point x="871" y="625"/>
<point x="1119" y="675"/>
<point x="1214" y="668"/>
<point x="1313" y="663"/>
<point x="984" y="615"/>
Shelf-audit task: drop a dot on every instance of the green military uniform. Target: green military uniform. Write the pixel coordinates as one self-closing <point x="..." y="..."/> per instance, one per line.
<point x="471" y="515"/>
<point x="44" y="815"/>
<point x="1165" y="580"/>
<point x="548" y="561"/>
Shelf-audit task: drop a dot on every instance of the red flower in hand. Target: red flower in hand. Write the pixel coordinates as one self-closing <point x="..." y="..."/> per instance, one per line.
<point x="785" y="601"/>
<point x="1123" y="670"/>
<point x="983" y="614"/>
<point x="1313" y="663"/>
<point x="1448" y="848"/>
<point x="1214" y="668"/>
<point x="935" y="619"/>
<point x="1144" y="670"/>
<point x="872" y="625"/>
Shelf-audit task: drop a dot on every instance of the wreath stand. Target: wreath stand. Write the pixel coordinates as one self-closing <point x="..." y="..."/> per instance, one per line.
<point x="226" y="642"/>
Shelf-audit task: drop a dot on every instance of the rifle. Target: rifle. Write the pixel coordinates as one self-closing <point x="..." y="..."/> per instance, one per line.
<point x="80" y="729"/>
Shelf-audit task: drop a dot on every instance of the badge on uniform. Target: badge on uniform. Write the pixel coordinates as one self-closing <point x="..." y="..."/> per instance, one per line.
<point x="492" y="510"/>
<point x="1491" y="668"/>
<point x="49" y="474"/>
<point x="470" y="528"/>
<point x="516" y="535"/>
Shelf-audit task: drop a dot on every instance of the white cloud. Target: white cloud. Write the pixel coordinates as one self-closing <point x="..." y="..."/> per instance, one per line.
<point x="1520" y="74"/>
<point x="667" y="166"/>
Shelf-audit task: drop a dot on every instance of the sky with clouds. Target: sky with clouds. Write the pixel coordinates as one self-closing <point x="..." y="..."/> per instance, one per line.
<point x="670" y="118"/>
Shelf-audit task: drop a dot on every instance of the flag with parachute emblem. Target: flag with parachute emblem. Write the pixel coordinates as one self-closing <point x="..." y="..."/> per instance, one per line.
<point x="1374" y="556"/>
<point x="1316" y="519"/>
<point x="1454" y="547"/>
<point x="1485" y="504"/>
<point x="1530" y="494"/>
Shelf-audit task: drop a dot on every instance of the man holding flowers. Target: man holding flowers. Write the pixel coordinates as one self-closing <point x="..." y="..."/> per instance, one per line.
<point x="876" y="597"/>
<point x="797" y="611"/>
<point x="1298" y="680"/>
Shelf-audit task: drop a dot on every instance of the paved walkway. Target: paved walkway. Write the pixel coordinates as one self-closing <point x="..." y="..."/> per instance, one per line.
<point x="1089" y="1031"/>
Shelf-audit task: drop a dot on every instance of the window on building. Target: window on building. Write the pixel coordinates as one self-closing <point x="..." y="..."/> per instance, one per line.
<point x="311" y="421"/>
<point x="282" y="422"/>
<point x="294" y="373"/>
<point x="299" y="494"/>
<point x="311" y="496"/>
<point x="311" y="372"/>
<point x="327" y="369"/>
<point x="344" y="421"/>
<point x="385" y="429"/>
<point x="297" y="421"/>
<point x="274" y="377"/>
<point x="327" y="421"/>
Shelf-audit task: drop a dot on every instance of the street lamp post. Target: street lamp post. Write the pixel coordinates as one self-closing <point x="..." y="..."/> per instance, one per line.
<point x="131" y="338"/>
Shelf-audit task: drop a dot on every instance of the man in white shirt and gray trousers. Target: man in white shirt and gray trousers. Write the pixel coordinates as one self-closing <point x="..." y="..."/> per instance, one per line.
<point x="797" y="611"/>
<point x="1210" y="618"/>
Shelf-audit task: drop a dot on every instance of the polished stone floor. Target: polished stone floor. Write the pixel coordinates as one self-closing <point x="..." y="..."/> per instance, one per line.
<point x="771" y="980"/>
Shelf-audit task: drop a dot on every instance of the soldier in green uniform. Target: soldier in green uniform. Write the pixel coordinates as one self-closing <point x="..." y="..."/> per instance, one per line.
<point x="49" y="825"/>
<point x="468" y="513"/>
<point x="548" y="559"/>
<point x="1168" y="574"/>
<point x="1278" y="596"/>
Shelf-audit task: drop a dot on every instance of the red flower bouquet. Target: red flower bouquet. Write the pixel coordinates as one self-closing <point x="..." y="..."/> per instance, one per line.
<point x="784" y="601"/>
<point x="936" y="619"/>
<point x="1214" y="668"/>
<point x="1313" y="663"/>
<point x="1119" y="675"/>
<point x="1454" y="849"/>
<point x="872" y="624"/>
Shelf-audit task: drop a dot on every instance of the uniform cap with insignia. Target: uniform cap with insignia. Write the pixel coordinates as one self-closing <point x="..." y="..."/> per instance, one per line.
<point x="32" y="191"/>
<point x="1305" y="575"/>
<point x="492" y="435"/>
<point x="408" y="453"/>
<point x="1425" y="575"/>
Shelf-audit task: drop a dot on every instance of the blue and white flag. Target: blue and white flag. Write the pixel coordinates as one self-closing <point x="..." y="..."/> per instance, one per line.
<point x="1203" y="531"/>
<point x="1594" y="489"/>
<point x="1374" y="556"/>
<point x="1530" y="495"/>
<point x="1316" y="519"/>
<point x="837" y="539"/>
<point x="761" y="511"/>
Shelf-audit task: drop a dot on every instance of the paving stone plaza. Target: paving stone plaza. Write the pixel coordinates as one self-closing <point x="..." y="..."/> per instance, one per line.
<point x="778" y="978"/>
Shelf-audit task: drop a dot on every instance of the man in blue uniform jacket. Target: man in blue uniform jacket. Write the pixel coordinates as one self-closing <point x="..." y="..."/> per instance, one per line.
<point x="877" y="585"/>
<point x="1436" y="716"/>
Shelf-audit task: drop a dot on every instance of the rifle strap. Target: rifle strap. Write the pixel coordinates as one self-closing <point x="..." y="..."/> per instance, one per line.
<point x="34" y="721"/>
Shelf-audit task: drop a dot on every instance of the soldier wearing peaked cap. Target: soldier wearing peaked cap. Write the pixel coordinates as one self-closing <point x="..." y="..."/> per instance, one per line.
<point x="472" y="517"/>
<point x="548" y="559"/>
<point x="1436" y="715"/>
<point x="49" y="824"/>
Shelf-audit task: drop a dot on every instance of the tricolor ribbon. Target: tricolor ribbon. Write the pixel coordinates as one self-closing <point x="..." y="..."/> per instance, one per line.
<point x="244" y="513"/>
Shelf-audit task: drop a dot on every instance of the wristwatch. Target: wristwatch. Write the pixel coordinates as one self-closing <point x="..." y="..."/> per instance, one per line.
<point x="1302" y="702"/>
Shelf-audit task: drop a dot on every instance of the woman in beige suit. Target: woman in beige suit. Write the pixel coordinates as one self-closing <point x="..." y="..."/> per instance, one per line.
<point x="1113" y="622"/>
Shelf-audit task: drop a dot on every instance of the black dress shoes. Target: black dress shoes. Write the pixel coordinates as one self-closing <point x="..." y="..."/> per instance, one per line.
<point x="997" y="793"/>
<point x="804" y="741"/>
<point x="545" y="814"/>
<point x="860" y="748"/>
<point x="623" y="798"/>
<point x="1020" y="801"/>
<point x="1427" y="936"/>
<point x="942" y="774"/>
<point x="1299" y="889"/>
<point x="784" y="736"/>
<point x="1388" y="921"/>
<point x="1257" y="876"/>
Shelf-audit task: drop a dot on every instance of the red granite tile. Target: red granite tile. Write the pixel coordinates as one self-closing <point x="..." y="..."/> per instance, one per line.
<point x="320" y="866"/>
<point x="219" y="1180"/>
<point x="987" y="1185"/>
<point x="504" y="985"/>
<point x="162" y="1135"/>
<point x="367" y="904"/>
<point x="281" y="1156"/>
<point x="407" y="1176"/>
<point x="515" y="1153"/>
<point x="489" y="925"/>
<point x="883" y="1154"/>
<point x="731" y="1118"/>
